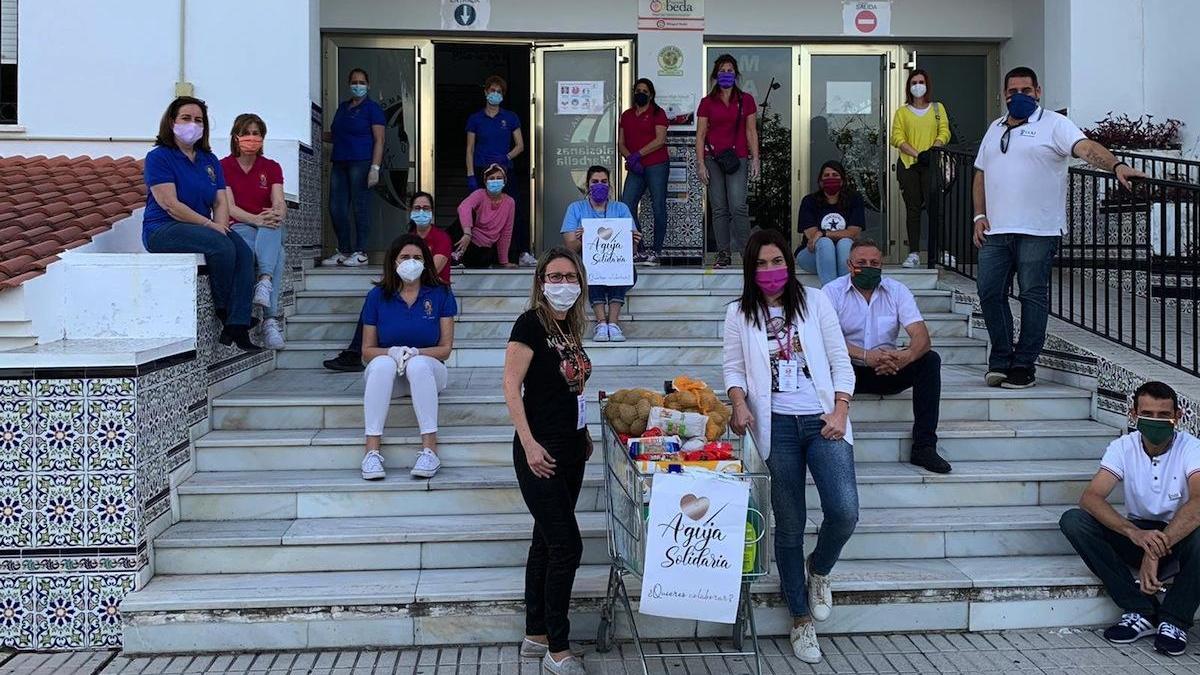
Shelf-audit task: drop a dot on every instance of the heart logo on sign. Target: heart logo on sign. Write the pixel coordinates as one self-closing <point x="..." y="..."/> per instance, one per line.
<point x="693" y="507"/>
<point x="605" y="233"/>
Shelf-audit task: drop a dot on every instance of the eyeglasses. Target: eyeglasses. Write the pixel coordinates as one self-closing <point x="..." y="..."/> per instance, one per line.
<point x="562" y="277"/>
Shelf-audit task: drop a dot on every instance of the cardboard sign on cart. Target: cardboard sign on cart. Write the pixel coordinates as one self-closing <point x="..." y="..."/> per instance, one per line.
<point x="695" y="540"/>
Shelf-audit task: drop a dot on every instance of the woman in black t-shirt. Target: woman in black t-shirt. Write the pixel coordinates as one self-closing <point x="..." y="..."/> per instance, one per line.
<point x="830" y="220"/>
<point x="545" y="358"/>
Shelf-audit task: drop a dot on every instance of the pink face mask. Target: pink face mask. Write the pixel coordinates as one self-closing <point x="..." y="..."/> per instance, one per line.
<point x="771" y="281"/>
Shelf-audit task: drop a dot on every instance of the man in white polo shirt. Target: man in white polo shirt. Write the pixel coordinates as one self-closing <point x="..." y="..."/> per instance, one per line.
<point x="1020" y="195"/>
<point x="872" y="308"/>
<point x="1159" y="468"/>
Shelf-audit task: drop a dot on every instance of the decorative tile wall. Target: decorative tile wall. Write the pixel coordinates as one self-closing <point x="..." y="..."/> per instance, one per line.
<point x="685" y="208"/>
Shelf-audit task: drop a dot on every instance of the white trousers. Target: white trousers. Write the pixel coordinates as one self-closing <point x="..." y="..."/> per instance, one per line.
<point x="423" y="378"/>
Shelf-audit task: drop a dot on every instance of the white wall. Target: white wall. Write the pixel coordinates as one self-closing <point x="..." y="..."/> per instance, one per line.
<point x="1172" y="65"/>
<point x="1028" y="44"/>
<point x="1107" y="48"/>
<point x="1056" y="73"/>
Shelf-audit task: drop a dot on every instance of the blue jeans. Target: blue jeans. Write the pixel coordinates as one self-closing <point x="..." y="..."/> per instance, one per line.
<point x="797" y="447"/>
<point x="829" y="260"/>
<point x="730" y="213"/>
<point x="267" y="244"/>
<point x="230" y="264"/>
<point x="654" y="179"/>
<point x="603" y="295"/>
<point x="1029" y="258"/>
<point x="348" y="189"/>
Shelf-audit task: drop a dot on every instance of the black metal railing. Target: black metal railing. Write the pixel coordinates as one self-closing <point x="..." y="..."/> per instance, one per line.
<point x="1127" y="267"/>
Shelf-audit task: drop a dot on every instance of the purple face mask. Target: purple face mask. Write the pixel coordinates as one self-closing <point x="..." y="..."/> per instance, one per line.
<point x="188" y="132"/>
<point x="598" y="192"/>
<point x="726" y="79"/>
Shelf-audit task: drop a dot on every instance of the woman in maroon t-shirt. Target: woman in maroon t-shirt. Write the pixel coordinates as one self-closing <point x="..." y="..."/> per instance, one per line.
<point x="726" y="129"/>
<point x="642" y="141"/>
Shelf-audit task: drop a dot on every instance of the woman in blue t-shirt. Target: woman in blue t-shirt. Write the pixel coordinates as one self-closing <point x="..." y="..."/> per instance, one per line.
<point x="187" y="212"/>
<point x="830" y="220"/>
<point x="357" y="136"/>
<point x="408" y="332"/>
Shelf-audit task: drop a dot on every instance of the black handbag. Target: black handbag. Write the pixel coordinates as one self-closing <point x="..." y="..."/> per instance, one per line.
<point x="727" y="159"/>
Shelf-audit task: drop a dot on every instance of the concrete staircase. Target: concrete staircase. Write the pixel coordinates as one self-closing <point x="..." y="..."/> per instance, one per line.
<point x="282" y="545"/>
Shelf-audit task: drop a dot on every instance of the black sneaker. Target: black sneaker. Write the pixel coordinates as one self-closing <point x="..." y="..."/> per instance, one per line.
<point x="346" y="362"/>
<point x="1019" y="378"/>
<point x="1171" y="639"/>
<point x="1131" y="628"/>
<point x="929" y="459"/>
<point x="995" y="377"/>
<point x="723" y="260"/>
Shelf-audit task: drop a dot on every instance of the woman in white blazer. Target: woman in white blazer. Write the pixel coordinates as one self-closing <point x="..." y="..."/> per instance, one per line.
<point x="790" y="380"/>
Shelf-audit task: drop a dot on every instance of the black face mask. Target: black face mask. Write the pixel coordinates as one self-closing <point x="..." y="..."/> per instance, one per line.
<point x="641" y="99"/>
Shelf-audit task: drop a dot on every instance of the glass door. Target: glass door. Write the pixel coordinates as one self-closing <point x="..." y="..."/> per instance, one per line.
<point x="400" y="76"/>
<point x="965" y="80"/>
<point x="846" y="96"/>
<point x="580" y="90"/>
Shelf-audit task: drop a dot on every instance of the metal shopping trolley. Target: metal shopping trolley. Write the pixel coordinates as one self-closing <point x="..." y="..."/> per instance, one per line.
<point x="625" y="487"/>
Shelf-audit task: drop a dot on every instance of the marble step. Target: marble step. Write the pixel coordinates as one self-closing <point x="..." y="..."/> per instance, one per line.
<point x="659" y="278"/>
<point x="294" y="399"/>
<point x="340" y="327"/>
<point x="312" y="448"/>
<point x="639" y="301"/>
<point x="396" y="608"/>
<point x="684" y="352"/>
<point x="265" y="495"/>
<point x="449" y="542"/>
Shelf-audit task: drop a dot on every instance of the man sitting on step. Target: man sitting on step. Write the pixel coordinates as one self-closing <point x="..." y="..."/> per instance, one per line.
<point x="872" y="309"/>
<point x="1160" y="469"/>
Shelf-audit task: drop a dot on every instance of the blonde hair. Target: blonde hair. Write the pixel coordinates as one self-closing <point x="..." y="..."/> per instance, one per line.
<point x="577" y="315"/>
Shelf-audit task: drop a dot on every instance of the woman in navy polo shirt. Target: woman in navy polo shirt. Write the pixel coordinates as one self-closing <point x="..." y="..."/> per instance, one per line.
<point x="494" y="137"/>
<point x="357" y="135"/>
<point x="187" y="212"/>
<point x="408" y="332"/>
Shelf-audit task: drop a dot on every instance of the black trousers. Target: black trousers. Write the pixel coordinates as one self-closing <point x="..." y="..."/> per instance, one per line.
<point x="479" y="257"/>
<point x="924" y="377"/>
<point x="914" y="187"/>
<point x="557" y="545"/>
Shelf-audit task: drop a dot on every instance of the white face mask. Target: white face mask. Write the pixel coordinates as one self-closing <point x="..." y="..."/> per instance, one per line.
<point x="561" y="296"/>
<point x="410" y="270"/>
<point x="918" y="90"/>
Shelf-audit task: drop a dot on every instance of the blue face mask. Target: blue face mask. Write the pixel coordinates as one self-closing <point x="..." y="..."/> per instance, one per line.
<point x="495" y="185"/>
<point x="422" y="218"/>
<point x="358" y="90"/>
<point x="1022" y="106"/>
<point x="495" y="97"/>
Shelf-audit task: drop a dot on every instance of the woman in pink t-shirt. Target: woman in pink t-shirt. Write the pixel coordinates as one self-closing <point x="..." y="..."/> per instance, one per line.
<point x="486" y="216"/>
<point x="727" y="134"/>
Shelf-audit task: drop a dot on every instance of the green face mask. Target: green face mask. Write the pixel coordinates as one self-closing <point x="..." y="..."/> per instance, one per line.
<point x="867" y="278"/>
<point x="1156" y="431"/>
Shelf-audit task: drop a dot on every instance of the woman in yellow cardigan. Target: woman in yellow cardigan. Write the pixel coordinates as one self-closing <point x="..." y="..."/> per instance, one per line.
<point x="918" y="125"/>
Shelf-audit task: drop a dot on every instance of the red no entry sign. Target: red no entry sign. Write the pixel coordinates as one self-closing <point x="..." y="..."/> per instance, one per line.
<point x="866" y="21"/>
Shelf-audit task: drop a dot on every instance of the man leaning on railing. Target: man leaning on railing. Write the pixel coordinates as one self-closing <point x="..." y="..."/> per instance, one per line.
<point x="1020" y="195"/>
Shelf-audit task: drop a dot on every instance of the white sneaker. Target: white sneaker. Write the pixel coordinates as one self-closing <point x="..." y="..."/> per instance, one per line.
<point x="272" y="335"/>
<point x="820" y="594"/>
<point x="948" y="260"/>
<point x="372" y="466"/>
<point x="334" y="260"/>
<point x="804" y="643"/>
<point x="572" y="665"/>
<point x="427" y="464"/>
<point x="913" y="260"/>
<point x="262" y="293"/>
<point x="533" y="650"/>
<point x="527" y="260"/>
<point x="615" y="334"/>
<point x="601" y="334"/>
<point x="356" y="259"/>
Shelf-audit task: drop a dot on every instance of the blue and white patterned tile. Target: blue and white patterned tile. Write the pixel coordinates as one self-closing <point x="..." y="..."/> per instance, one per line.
<point x="61" y="612"/>
<point x="17" y="434"/>
<point x="16" y="511"/>
<point x="17" y="612"/>
<point x="104" y="595"/>
<point x="58" y="388"/>
<point x="111" y="434"/>
<point x="61" y="516"/>
<point x="61" y="428"/>
<point x="110" y="387"/>
<point x="112" y="510"/>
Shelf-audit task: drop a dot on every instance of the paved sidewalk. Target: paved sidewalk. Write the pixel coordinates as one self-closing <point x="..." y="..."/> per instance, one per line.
<point x="1031" y="651"/>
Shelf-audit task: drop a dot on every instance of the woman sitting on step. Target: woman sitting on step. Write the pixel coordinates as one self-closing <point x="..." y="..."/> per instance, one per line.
<point x="790" y="380"/>
<point x="486" y="216"/>
<point x="408" y="332"/>
<point x="545" y="371"/>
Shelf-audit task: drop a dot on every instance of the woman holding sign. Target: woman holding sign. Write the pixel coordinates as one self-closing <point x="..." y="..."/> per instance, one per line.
<point x="790" y="380"/>
<point x="545" y="371"/>
<point x="606" y="301"/>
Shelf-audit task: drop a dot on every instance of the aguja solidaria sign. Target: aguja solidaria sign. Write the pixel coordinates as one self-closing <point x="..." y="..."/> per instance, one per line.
<point x="608" y="251"/>
<point x="695" y="541"/>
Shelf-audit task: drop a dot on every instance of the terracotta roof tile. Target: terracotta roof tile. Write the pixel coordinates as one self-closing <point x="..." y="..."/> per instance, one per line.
<point x="51" y="204"/>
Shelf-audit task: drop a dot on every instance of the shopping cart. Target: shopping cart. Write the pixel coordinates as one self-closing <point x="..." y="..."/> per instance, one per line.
<point x="625" y="499"/>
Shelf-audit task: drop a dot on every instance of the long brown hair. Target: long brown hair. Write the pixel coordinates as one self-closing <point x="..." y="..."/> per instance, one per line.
<point x="736" y="91"/>
<point x="753" y="302"/>
<point x="166" y="125"/>
<point x="576" y="316"/>
<point x="391" y="283"/>
<point x="908" y="97"/>
<point x="241" y="125"/>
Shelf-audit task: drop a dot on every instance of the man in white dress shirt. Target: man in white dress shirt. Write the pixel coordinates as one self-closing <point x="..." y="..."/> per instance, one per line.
<point x="872" y="308"/>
